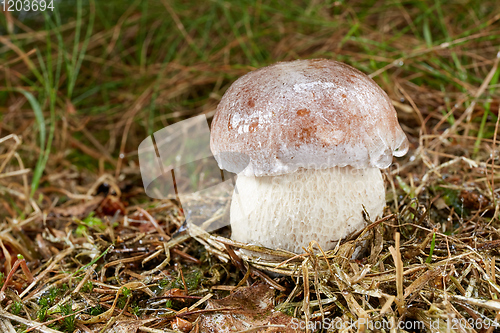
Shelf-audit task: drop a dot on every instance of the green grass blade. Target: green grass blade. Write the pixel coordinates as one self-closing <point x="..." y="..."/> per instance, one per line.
<point x="79" y="59"/>
<point x="487" y="112"/>
<point x="431" y="251"/>
<point x="40" y="120"/>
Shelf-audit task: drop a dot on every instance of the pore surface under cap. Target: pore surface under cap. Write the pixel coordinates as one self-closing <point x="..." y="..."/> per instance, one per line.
<point x="305" y="113"/>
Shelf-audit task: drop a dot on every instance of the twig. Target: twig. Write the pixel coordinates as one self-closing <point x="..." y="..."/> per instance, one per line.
<point x="396" y="255"/>
<point x="155" y="224"/>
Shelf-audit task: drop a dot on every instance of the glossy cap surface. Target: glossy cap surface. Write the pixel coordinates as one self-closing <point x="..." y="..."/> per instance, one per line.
<point x="312" y="114"/>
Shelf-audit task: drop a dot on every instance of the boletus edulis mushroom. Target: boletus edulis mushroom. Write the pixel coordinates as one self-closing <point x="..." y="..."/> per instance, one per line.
<point x="307" y="139"/>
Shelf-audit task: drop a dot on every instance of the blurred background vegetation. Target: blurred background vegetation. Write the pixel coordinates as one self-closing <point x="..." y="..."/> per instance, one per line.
<point x="88" y="81"/>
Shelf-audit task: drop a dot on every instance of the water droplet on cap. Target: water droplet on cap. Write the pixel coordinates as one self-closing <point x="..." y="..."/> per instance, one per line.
<point x="402" y="149"/>
<point x="383" y="159"/>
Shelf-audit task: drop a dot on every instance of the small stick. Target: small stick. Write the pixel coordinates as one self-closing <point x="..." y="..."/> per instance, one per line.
<point x="178" y="266"/>
<point x="155" y="224"/>
<point x="398" y="263"/>
<point x="186" y="256"/>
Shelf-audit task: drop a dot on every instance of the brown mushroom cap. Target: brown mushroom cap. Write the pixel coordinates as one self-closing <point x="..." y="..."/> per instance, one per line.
<point x="306" y="113"/>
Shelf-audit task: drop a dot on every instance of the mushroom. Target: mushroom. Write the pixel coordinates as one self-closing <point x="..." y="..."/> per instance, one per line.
<point x="307" y="139"/>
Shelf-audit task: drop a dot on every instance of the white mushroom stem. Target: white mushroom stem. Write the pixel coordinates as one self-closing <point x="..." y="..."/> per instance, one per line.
<point x="288" y="211"/>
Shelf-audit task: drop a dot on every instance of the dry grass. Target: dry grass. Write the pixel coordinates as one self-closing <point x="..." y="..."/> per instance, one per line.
<point x="79" y="92"/>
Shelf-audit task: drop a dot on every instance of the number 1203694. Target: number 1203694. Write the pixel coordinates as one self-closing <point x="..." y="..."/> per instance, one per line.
<point x="27" y="5"/>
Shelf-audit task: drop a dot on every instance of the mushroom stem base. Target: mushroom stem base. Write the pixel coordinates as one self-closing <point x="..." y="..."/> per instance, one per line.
<point x="289" y="211"/>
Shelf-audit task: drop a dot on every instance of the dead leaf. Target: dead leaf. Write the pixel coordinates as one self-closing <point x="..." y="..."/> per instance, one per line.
<point x="253" y="308"/>
<point x="79" y="210"/>
<point x="110" y="205"/>
<point x="473" y="199"/>
<point x="175" y="292"/>
<point x="182" y="325"/>
<point x="43" y="247"/>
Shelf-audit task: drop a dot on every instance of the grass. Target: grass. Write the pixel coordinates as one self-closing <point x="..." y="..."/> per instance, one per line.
<point x="90" y="80"/>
